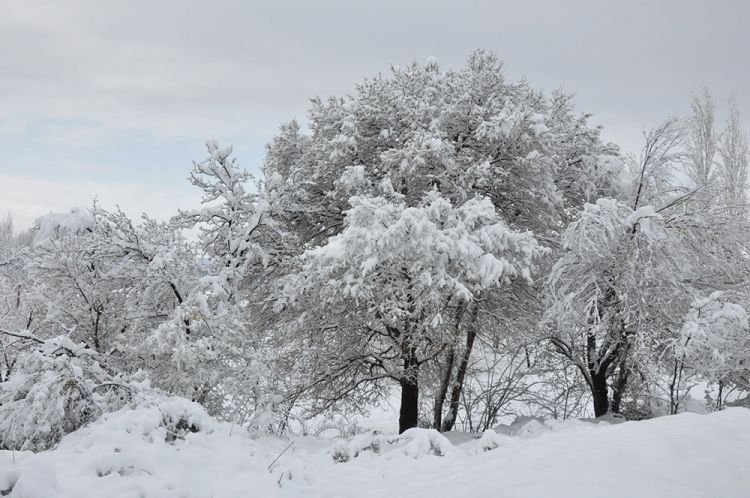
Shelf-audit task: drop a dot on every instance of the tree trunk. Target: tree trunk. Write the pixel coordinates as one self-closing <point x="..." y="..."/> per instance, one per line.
<point x="618" y="389"/>
<point x="674" y="387"/>
<point x="437" y="414"/>
<point x="598" y="375"/>
<point x="409" y="411"/>
<point x="97" y="345"/>
<point x="623" y="374"/>
<point x="599" y="393"/>
<point x="463" y="365"/>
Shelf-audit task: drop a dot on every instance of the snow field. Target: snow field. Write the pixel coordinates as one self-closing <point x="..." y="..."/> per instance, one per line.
<point x="149" y="453"/>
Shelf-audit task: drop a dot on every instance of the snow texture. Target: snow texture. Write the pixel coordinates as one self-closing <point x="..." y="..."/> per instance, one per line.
<point x="148" y="452"/>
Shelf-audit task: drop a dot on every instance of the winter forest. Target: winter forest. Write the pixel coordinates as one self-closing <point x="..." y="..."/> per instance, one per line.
<point x="451" y="249"/>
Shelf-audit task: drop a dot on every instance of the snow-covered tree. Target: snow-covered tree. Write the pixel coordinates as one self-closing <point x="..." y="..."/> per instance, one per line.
<point x="734" y="153"/>
<point x="57" y="386"/>
<point x="77" y="284"/>
<point x="392" y="270"/>
<point x="465" y="134"/>
<point x="628" y="272"/>
<point x="17" y="309"/>
<point x="613" y="269"/>
<point x="702" y="142"/>
<point x="209" y="347"/>
<point x="714" y="345"/>
<point x="602" y="289"/>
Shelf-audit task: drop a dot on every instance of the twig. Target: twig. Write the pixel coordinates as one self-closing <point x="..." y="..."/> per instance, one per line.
<point x="277" y="458"/>
<point x="22" y="336"/>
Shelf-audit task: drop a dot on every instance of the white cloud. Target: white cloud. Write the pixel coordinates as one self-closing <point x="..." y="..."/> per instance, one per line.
<point x="82" y="77"/>
<point x="188" y="67"/>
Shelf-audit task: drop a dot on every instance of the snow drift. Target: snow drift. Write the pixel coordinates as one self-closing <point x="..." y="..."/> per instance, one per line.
<point x="176" y="450"/>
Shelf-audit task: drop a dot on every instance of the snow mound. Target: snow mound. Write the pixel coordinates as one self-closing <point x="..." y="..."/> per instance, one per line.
<point x="525" y="426"/>
<point x="413" y="443"/>
<point x="488" y="441"/>
<point x="172" y="448"/>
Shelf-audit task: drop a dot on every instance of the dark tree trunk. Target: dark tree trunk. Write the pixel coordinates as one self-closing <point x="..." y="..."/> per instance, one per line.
<point x="463" y="365"/>
<point x="409" y="411"/>
<point x="599" y="393"/>
<point x="597" y="372"/>
<point x="177" y="295"/>
<point x="97" y="345"/>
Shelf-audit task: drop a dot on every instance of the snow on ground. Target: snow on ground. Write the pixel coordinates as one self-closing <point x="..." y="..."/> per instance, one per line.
<point x="148" y="452"/>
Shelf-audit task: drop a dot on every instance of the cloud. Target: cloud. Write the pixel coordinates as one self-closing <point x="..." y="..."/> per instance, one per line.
<point x="94" y="91"/>
<point x="180" y="67"/>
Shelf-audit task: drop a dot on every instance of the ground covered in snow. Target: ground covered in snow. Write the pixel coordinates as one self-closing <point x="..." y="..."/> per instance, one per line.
<point x="174" y="450"/>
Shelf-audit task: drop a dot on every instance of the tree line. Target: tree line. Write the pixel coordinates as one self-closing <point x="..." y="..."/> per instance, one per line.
<point x="466" y="241"/>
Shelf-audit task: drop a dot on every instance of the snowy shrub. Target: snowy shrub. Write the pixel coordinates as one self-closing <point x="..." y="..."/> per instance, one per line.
<point x="713" y="346"/>
<point x="531" y="427"/>
<point x="370" y="441"/>
<point x="179" y="416"/>
<point x="426" y="442"/>
<point x="489" y="440"/>
<point x="55" y="389"/>
<point x="414" y="443"/>
<point x="714" y="338"/>
<point x="152" y="417"/>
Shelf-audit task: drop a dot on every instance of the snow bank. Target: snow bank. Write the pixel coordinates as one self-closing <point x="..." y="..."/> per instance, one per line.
<point x="170" y="449"/>
<point x="686" y="455"/>
<point x="132" y="453"/>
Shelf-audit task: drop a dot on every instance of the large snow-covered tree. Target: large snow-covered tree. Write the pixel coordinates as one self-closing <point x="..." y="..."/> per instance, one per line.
<point x="604" y="286"/>
<point x="464" y="135"/>
<point x="628" y="271"/>
<point x="393" y="269"/>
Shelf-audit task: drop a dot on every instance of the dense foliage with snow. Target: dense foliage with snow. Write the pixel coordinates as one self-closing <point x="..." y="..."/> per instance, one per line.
<point x="451" y="244"/>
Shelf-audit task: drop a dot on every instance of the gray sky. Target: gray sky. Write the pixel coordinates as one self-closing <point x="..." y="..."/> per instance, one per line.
<point x="114" y="99"/>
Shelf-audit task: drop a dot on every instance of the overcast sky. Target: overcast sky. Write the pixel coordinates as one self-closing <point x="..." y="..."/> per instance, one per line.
<point x="114" y="99"/>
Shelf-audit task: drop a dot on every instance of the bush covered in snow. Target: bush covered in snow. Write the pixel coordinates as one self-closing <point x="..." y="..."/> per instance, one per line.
<point x="414" y="443"/>
<point x="56" y="388"/>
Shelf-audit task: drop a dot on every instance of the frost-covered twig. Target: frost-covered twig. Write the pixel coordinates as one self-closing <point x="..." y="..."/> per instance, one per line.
<point x="22" y="335"/>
